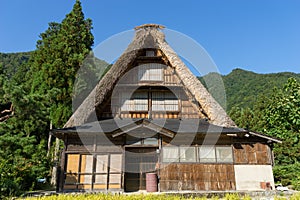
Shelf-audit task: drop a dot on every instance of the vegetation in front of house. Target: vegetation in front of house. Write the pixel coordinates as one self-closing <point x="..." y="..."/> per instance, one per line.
<point x="101" y="196"/>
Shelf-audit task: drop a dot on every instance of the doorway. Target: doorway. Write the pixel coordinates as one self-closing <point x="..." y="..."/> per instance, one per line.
<point x="138" y="162"/>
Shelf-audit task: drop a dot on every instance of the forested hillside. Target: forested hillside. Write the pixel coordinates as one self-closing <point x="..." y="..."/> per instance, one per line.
<point x="10" y="62"/>
<point x="244" y="87"/>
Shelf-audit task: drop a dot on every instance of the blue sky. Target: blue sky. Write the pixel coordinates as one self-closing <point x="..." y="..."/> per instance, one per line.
<point x="257" y="35"/>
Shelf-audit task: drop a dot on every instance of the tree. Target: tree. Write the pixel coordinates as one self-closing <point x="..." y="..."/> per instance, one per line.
<point x="282" y="117"/>
<point x="44" y="94"/>
<point x="60" y="53"/>
<point x="22" y="158"/>
<point x="278" y="115"/>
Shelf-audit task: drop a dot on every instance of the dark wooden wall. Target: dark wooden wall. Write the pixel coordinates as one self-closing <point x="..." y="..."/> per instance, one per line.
<point x="187" y="108"/>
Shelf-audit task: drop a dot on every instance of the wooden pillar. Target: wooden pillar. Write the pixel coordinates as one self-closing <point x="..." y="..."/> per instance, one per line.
<point x="63" y="164"/>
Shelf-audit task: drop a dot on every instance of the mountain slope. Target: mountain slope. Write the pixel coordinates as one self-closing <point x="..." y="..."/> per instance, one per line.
<point x="11" y="61"/>
<point x="244" y="87"/>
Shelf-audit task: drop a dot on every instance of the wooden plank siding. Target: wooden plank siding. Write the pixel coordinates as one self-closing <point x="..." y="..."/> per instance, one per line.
<point x="174" y="177"/>
<point x="170" y="82"/>
<point x="106" y="171"/>
<point x="252" y="153"/>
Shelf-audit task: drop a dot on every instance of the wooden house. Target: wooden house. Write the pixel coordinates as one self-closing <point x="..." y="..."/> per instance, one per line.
<point x="151" y="125"/>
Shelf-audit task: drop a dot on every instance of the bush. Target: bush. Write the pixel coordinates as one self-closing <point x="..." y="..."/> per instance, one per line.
<point x="288" y="175"/>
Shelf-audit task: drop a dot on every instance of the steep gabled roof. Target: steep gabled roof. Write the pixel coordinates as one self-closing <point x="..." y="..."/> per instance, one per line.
<point x="149" y="36"/>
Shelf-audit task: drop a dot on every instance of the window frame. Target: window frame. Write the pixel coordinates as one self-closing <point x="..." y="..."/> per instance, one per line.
<point x="146" y="72"/>
<point x="197" y="154"/>
<point x="94" y="173"/>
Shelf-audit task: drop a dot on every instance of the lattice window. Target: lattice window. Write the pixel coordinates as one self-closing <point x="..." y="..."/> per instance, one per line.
<point x="164" y="101"/>
<point x="106" y="168"/>
<point x="140" y="100"/>
<point x="150" y="72"/>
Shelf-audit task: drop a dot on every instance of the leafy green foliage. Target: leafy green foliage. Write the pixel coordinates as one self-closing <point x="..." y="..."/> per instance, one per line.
<point x="288" y="174"/>
<point x="22" y="154"/>
<point x="282" y="117"/>
<point x="41" y="91"/>
<point x="278" y="115"/>
<point x="10" y="62"/>
<point x="60" y="53"/>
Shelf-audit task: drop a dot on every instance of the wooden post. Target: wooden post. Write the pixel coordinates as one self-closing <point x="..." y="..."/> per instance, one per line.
<point x="49" y="140"/>
<point x="56" y="163"/>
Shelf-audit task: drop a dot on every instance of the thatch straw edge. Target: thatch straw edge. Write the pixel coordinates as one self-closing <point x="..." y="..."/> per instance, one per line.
<point x="149" y="37"/>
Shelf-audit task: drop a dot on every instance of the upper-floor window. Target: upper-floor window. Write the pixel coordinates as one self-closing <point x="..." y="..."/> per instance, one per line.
<point x="137" y="102"/>
<point x="150" y="53"/>
<point x="164" y="101"/>
<point x="150" y="72"/>
<point x="147" y="100"/>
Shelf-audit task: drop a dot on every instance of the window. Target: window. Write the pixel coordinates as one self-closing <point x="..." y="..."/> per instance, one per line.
<point x="164" y="101"/>
<point x="202" y="154"/>
<point x="141" y="141"/>
<point x="150" y="72"/>
<point x="224" y="154"/>
<point x="79" y="171"/>
<point x="150" y="53"/>
<point x="81" y="168"/>
<point x="207" y="154"/>
<point x="126" y="102"/>
<point x="138" y="101"/>
<point x="187" y="154"/>
<point x="151" y="141"/>
<point x="170" y="154"/>
<point x="130" y="140"/>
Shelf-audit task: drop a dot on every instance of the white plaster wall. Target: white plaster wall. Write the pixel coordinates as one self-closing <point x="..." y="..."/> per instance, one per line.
<point x="248" y="177"/>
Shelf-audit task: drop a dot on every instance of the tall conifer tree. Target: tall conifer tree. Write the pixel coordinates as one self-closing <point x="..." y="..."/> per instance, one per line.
<point x="60" y="53"/>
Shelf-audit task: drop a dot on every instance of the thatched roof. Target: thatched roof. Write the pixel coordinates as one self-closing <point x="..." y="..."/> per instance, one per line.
<point x="149" y="36"/>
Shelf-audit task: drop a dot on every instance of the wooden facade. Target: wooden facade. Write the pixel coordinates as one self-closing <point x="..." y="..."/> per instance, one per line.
<point x="121" y="158"/>
<point x="152" y="121"/>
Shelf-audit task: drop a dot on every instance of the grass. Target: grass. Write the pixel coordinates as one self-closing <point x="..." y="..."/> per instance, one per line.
<point x="101" y="196"/>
